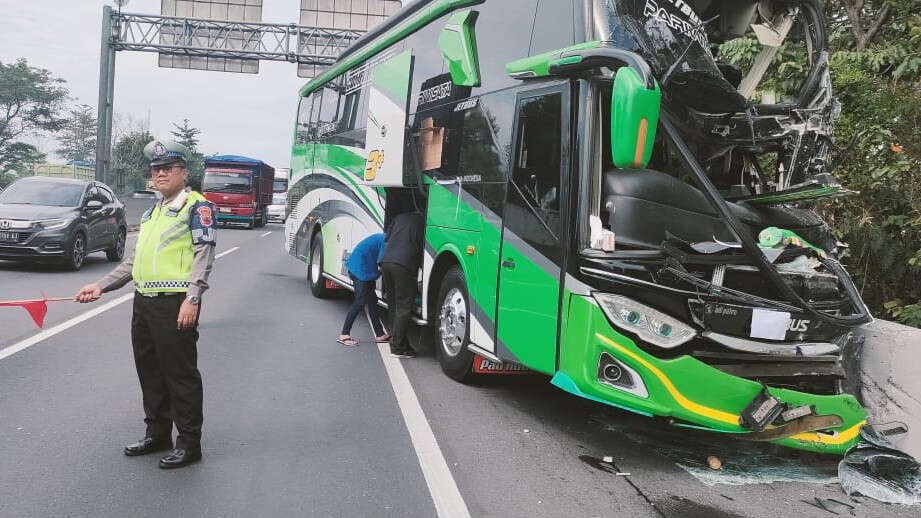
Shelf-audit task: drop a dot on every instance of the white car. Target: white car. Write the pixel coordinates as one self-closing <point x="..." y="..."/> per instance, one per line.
<point x="276" y="213"/>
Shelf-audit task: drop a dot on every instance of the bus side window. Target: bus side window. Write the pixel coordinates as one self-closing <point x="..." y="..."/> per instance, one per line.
<point x="329" y="108"/>
<point x="538" y="152"/>
<point x="315" y="112"/>
<point x="303" y="121"/>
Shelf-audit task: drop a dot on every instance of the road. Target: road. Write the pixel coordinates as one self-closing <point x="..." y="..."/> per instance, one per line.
<point x="296" y="425"/>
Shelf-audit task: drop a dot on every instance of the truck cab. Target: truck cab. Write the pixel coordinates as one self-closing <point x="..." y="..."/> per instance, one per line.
<point x="240" y="188"/>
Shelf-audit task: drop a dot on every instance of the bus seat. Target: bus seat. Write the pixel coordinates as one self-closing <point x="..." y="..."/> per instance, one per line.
<point x="647" y="203"/>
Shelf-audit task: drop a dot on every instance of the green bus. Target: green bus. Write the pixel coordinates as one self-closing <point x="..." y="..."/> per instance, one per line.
<point x="605" y="203"/>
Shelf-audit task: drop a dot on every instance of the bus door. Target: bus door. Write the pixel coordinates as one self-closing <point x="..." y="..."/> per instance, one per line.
<point x="531" y="254"/>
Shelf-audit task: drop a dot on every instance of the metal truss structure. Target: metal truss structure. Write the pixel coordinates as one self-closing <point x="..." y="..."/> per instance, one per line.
<point x="249" y="42"/>
<point x="230" y="39"/>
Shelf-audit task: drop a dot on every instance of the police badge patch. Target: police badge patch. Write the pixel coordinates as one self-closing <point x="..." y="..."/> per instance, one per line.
<point x="204" y="214"/>
<point x="202" y="223"/>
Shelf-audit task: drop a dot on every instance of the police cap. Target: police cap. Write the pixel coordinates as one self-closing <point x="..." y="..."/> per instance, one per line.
<point x="161" y="152"/>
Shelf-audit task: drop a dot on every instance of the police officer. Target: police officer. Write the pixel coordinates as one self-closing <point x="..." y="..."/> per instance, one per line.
<point x="170" y="267"/>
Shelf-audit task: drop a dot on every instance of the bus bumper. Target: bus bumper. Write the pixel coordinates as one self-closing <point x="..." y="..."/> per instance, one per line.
<point x="684" y="389"/>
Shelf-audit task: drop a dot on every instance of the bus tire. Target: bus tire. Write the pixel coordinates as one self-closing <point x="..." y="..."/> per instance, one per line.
<point x="452" y="332"/>
<point x="315" y="279"/>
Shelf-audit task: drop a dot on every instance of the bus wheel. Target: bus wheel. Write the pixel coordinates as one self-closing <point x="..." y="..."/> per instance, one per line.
<point x="315" y="278"/>
<point x="453" y="331"/>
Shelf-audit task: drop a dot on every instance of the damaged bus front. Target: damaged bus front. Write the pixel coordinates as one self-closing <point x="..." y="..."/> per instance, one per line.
<point x="716" y="297"/>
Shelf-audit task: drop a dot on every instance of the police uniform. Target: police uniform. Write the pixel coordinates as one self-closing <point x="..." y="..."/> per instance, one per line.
<point x="171" y="263"/>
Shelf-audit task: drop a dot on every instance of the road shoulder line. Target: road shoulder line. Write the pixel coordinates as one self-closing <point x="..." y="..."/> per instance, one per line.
<point x="438" y="477"/>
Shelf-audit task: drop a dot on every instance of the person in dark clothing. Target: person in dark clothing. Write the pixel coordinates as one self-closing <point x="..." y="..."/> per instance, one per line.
<point x="364" y="270"/>
<point x="400" y="264"/>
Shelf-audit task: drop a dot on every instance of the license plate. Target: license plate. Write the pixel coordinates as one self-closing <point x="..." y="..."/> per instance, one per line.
<point x="224" y="209"/>
<point x="9" y="236"/>
<point x="744" y="320"/>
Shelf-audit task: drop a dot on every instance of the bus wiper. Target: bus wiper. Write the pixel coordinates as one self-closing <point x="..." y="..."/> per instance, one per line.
<point x="728" y="293"/>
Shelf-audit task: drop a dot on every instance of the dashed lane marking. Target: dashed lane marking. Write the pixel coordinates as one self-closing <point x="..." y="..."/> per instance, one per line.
<point x="64" y="326"/>
<point x="222" y="254"/>
<point x="267" y="233"/>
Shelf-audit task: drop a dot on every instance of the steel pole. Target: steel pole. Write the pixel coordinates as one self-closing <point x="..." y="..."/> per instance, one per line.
<point x="102" y="101"/>
<point x="110" y="110"/>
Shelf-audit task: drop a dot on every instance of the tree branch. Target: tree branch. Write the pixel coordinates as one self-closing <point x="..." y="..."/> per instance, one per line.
<point x="853" y="15"/>
<point x="883" y="16"/>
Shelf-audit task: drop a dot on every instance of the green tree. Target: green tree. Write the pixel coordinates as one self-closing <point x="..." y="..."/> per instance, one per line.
<point x="78" y="136"/>
<point x="30" y="103"/>
<point x="128" y="160"/>
<point x="187" y="135"/>
<point x="20" y="160"/>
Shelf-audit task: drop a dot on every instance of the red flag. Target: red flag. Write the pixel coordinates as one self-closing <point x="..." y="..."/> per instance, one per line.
<point x="37" y="308"/>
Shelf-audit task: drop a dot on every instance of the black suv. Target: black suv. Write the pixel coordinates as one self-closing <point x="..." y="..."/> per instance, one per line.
<point x="60" y="220"/>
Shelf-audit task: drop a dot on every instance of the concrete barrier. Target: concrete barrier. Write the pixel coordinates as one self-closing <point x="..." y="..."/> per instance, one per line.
<point x="890" y="380"/>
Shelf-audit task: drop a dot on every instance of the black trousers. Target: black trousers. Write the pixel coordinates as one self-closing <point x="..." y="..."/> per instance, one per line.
<point x="167" y="365"/>
<point x="400" y="286"/>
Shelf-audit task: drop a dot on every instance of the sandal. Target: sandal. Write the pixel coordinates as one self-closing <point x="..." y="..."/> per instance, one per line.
<point x="382" y="340"/>
<point x="347" y="341"/>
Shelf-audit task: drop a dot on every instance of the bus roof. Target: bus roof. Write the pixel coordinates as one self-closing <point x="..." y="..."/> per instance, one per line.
<point x="407" y="20"/>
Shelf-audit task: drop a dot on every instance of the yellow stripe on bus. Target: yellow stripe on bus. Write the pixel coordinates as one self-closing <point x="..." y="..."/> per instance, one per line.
<point x="726" y="417"/>
<point x="697" y="408"/>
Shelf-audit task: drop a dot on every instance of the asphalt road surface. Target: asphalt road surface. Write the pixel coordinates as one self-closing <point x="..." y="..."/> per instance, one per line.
<point x="297" y="425"/>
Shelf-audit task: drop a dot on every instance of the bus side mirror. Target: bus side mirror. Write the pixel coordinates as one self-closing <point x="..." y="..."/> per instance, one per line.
<point x="634" y="119"/>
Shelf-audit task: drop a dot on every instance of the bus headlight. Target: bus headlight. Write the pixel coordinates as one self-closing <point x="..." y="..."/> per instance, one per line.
<point x="649" y="324"/>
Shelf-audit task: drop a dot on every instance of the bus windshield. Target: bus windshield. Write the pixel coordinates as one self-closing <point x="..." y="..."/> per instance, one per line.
<point x="222" y="181"/>
<point x="280" y="185"/>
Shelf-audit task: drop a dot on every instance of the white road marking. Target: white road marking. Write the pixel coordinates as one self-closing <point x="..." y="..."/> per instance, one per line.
<point x="448" y="501"/>
<point x="222" y="254"/>
<point x="267" y="233"/>
<point x="64" y="326"/>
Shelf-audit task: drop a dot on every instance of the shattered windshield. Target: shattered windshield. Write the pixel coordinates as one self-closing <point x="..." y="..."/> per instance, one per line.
<point x="672" y="38"/>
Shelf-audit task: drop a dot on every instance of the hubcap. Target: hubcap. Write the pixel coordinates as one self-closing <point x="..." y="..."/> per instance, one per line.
<point x="315" y="264"/>
<point x="120" y="244"/>
<point x="79" y="250"/>
<point x="452" y="322"/>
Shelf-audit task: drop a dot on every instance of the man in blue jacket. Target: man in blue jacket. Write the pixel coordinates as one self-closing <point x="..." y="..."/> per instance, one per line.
<point x="364" y="269"/>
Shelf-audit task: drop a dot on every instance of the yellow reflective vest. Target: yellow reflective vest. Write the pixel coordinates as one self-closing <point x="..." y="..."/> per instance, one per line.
<point x="164" y="253"/>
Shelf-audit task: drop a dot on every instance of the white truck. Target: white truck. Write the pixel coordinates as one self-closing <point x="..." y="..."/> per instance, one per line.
<point x="277" y="210"/>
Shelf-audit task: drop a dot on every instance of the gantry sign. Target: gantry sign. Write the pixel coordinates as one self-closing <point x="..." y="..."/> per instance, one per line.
<point x="227" y="36"/>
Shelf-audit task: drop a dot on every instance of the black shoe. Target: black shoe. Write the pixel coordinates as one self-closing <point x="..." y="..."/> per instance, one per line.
<point x="148" y="445"/>
<point x="180" y="457"/>
<point x="403" y="353"/>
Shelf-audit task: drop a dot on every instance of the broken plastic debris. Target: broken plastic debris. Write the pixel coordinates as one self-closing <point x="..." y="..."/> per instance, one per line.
<point x="526" y="430"/>
<point x="608" y="459"/>
<point x="875" y="468"/>
<point x="714" y="462"/>
<point x="621" y="474"/>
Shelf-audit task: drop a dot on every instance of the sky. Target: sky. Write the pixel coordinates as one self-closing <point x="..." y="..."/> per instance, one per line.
<point x="240" y="114"/>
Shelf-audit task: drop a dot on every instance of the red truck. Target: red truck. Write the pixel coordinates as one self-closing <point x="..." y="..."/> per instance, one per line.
<point x="240" y="188"/>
